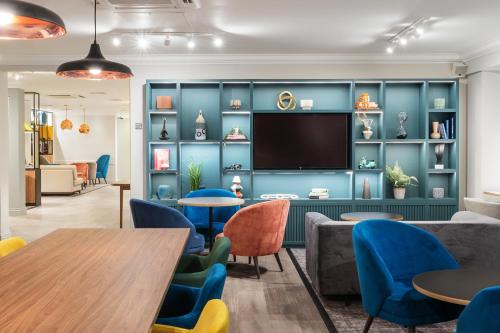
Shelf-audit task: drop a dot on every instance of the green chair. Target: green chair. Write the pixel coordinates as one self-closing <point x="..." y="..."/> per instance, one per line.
<point x="193" y="269"/>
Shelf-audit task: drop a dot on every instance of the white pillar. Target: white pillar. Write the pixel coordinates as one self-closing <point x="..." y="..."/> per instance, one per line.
<point x="4" y="161"/>
<point x="17" y="178"/>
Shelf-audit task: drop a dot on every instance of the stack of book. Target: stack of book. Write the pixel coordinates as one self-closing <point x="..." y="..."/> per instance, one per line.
<point x="447" y="129"/>
<point x="319" y="193"/>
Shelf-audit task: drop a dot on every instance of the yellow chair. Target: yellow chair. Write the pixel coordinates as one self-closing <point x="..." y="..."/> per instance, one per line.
<point x="9" y="245"/>
<point x="213" y="319"/>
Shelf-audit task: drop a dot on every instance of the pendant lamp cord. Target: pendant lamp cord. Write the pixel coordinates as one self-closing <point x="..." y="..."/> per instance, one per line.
<point x="95" y="21"/>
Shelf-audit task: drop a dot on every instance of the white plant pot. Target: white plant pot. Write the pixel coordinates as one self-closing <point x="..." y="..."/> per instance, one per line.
<point x="399" y="193"/>
<point x="367" y="134"/>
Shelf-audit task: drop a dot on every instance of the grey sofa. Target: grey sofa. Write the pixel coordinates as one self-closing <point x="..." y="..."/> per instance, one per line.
<point x="473" y="239"/>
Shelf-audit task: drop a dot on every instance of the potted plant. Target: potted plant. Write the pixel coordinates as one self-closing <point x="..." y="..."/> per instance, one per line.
<point x="194" y="175"/>
<point x="399" y="180"/>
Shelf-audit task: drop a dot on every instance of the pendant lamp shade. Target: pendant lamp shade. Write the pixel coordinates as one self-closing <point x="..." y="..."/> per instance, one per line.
<point x="84" y="127"/>
<point x="66" y="124"/>
<point x="94" y="66"/>
<point x="24" y="20"/>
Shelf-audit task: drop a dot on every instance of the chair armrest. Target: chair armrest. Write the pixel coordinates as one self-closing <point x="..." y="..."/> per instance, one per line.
<point x="190" y="263"/>
<point x="179" y="301"/>
<point x="167" y="329"/>
<point x="191" y="279"/>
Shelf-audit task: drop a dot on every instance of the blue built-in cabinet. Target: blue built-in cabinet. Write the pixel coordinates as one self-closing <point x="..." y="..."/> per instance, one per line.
<point x="415" y="153"/>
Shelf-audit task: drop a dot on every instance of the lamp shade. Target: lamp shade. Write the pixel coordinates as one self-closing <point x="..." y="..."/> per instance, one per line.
<point x="24" y="20"/>
<point x="94" y="67"/>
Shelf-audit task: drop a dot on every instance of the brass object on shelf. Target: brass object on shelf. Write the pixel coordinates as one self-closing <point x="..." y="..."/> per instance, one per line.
<point x="286" y="101"/>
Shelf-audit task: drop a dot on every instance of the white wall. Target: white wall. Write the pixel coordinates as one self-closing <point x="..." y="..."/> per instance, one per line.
<point x="256" y="71"/>
<point x="72" y="146"/>
<point x="122" y="148"/>
<point x="483" y="158"/>
<point x="4" y="161"/>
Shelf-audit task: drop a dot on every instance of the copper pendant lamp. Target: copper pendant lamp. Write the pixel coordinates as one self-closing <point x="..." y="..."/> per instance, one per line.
<point x="84" y="127"/>
<point x="66" y="124"/>
<point x="24" y="20"/>
<point x="94" y="66"/>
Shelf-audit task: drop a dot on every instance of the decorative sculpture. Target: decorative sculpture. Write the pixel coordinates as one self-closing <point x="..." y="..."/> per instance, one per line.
<point x="439" y="150"/>
<point x="402" y="133"/>
<point x="164" y="133"/>
<point x="367" y="164"/>
<point x="201" y="127"/>
<point x="367" y="194"/>
<point x="236" y="188"/>
<point x="286" y="101"/>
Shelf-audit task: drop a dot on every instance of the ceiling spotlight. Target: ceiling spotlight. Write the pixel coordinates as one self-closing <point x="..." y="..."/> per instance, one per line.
<point x="191" y="44"/>
<point x="420" y="31"/>
<point x="167" y="40"/>
<point x="117" y="41"/>
<point x="6" y="18"/>
<point x="17" y="76"/>
<point x="143" y="43"/>
<point x="218" y="41"/>
<point x="389" y="50"/>
<point x="403" y="41"/>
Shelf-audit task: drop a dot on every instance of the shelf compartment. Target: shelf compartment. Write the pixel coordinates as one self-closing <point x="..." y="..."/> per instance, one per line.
<point x="441" y="117"/>
<point x="157" y="179"/>
<point x="371" y="152"/>
<point x="442" y="89"/>
<point x="208" y="155"/>
<point x="446" y="181"/>
<point x="373" y="88"/>
<point x="239" y="154"/>
<point x="236" y="90"/>
<point x="405" y="97"/>
<point x="156" y="123"/>
<point x="326" y="95"/>
<point x="338" y="184"/>
<point x="412" y="159"/>
<point x="162" y="89"/>
<point x="205" y="97"/>
<point x="377" y="119"/>
<point x="230" y="121"/>
<point x="172" y="155"/>
<point x="246" y="182"/>
<point x="449" y="157"/>
<point x="376" y="181"/>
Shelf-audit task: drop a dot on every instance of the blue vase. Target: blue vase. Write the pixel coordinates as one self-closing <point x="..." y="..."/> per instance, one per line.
<point x="164" y="192"/>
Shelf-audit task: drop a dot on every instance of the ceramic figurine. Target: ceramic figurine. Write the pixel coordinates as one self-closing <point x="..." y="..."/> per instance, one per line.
<point x="435" y="130"/>
<point x="201" y="127"/>
<point x="164" y="192"/>
<point x="164" y="133"/>
<point x="236" y="188"/>
<point x="367" y="194"/>
<point x="439" y="150"/>
<point x="402" y="133"/>
<point x="367" y="164"/>
<point x="235" y="134"/>
<point x="235" y="104"/>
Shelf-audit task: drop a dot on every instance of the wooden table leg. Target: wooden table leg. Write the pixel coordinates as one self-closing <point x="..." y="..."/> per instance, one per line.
<point x="210" y="227"/>
<point x="121" y="207"/>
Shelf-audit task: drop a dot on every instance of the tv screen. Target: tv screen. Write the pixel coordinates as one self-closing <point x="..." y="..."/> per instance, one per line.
<point x="302" y="141"/>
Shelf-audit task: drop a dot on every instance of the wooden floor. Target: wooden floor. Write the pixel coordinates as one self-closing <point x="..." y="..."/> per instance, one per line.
<point x="277" y="303"/>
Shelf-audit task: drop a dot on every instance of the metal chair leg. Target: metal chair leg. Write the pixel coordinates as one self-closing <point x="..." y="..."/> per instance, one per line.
<point x="257" y="270"/>
<point x="368" y="324"/>
<point x="277" y="256"/>
<point x="411" y="329"/>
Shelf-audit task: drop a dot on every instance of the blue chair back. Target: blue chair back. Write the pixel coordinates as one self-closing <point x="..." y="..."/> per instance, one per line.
<point x="103" y="165"/>
<point x="200" y="214"/>
<point x="212" y="288"/>
<point x="146" y="214"/>
<point x="481" y="315"/>
<point x="388" y="251"/>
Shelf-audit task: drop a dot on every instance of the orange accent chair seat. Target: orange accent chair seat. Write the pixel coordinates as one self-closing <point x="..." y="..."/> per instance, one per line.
<point x="82" y="171"/>
<point x="258" y="230"/>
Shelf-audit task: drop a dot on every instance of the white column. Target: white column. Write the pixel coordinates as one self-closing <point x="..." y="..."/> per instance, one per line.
<point x="17" y="178"/>
<point x="4" y="161"/>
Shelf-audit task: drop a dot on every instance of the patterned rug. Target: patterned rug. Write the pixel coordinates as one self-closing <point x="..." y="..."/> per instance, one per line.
<point x="343" y="318"/>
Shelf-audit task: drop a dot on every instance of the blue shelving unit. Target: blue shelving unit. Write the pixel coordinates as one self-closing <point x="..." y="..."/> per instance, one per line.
<point x="415" y="154"/>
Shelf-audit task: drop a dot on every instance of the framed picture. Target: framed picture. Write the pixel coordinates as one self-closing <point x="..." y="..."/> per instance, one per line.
<point x="161" y="159"/>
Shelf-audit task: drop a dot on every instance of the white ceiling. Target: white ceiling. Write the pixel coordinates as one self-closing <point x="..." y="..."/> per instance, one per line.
<point x="357" y="27"/>
<point x="104" y="98"/>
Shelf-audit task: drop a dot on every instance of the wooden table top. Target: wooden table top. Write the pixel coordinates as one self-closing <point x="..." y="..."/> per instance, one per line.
<point x="456" y="286"/>
<point x="89" y="280"/>
<point x="121" y="183"/>
<point x="361" y="216"/>
<point x="211" y="202"/>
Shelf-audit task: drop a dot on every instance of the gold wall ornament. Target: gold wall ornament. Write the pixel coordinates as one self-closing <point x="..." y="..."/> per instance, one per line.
<point x="66" y="124"/>
<point x="286" y="101"/>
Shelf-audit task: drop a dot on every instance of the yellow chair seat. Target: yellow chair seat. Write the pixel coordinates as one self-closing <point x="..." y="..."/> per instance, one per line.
<point x="213" y="319"/>
<point x="9" y="245"/>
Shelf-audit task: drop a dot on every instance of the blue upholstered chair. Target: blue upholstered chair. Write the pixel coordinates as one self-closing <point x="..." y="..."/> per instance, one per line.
<point x="388" y="255"/>
<point x="183" y="304"/>
<point x="153" y="215"/>
<point x="199" y="215"/>
<point x="102" y="167"/>
<point x="481" y="315"/>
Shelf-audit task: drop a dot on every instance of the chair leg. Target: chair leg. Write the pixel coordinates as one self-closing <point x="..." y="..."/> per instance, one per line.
<point x="411" y="329"/>
<point x="105" y="180"/>
<point x="234" y="258"/>
<point x="249" y="260"/>
<point x="256" y="263"/>
<point x="368" y="324"/>
<point x="277" y="256"/>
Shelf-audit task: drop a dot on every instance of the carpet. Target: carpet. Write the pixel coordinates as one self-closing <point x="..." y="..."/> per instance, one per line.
<point x="343" y="318"/>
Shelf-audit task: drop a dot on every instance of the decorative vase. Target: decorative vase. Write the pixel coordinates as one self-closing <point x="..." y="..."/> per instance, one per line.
<point x="235" y="104"/>
<point x="439" y="103"/>
<point x="367" y="134"/>
<point x="163" y="102"/>
<point x="201" y="127"/>
<point x="236" y="188"/>
<point x="435" y="130"/>
<point x="402" y="133"/>
<point x="399" y="193"/>
<point x="164" y="192"/>
<point x="438" y="192"/>
<point x="164" y="133"/>
<point x="439" y="150"/>
<point x="367" y="194"/>
<point x="306" y="104"/>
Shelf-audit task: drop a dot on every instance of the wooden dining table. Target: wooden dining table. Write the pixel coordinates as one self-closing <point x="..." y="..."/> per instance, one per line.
<point x="89" y="280"/>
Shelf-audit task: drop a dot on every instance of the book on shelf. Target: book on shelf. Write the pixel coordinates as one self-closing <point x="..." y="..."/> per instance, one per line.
<point x="442" y="131"/>
<point x="452" y="128"/>
<point x="161" y="159"/>
<point x="447" y="127"/>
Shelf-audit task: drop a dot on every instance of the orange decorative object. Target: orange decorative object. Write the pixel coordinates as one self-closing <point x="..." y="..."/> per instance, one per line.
<point x="82" y="171"/>
<point x="258" y="230"/>
<point x="84" y="128"/>
<point x="364" y="103"/>
<point x="163" y="102"/>
<point x="66" y="124"/>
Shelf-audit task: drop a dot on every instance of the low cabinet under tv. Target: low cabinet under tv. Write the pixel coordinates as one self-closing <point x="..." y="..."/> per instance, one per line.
<point x="258" y="98"/>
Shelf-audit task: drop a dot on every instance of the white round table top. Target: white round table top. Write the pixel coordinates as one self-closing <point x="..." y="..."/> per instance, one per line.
<point x="211" y="202"/>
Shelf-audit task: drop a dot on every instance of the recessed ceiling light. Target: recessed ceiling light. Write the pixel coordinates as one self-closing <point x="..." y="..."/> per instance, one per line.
<point x="420" y="31"/>
<point x="143" y="43"/>
<point x="117" y="41"/>
<point x="389" y="50"/>
<point x="403" y="41"/>
<point x="218" y="41"/>
<point x="191" y="44"/>
<point x="17" y="76"/>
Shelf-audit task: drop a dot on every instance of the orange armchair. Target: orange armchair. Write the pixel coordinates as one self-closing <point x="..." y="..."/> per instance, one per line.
<point x="258" y="230"/>
<point x="82" y="170"/>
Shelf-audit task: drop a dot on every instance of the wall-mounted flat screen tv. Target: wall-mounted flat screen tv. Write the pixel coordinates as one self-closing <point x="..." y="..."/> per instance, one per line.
<point x="301" y="141"/>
